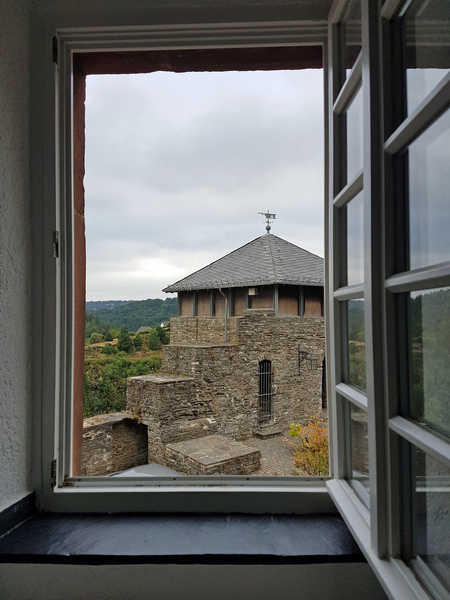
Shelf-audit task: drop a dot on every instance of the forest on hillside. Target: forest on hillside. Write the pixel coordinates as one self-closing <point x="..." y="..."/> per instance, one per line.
<point x="139" y="313"/>
<point x="113" y="357"/>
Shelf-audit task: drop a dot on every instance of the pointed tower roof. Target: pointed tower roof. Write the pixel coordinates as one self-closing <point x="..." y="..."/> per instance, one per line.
<point x="267" y="260"/>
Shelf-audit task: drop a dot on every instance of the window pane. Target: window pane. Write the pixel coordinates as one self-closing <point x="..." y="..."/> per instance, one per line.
<point x="355" y="240"/>
<point x="355" y="136"/>
<point x="356" y="344"/>
<point x="429" y="327"/>
<point x="429" y="185"/>
<point x="352" y="35"/>
<point x="431" y="514"/>
<point x="360" y="454"/>
<point x="427" y="48"/>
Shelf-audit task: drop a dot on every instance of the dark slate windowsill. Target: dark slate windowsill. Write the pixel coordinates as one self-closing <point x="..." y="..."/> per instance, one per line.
<point x="179" y="539"/>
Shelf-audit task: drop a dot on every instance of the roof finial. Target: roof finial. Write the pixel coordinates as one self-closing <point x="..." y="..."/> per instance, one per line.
<point x="269" y="217"/>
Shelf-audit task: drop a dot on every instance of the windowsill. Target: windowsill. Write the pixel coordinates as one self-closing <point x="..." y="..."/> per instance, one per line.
<point x="179" y="539"/>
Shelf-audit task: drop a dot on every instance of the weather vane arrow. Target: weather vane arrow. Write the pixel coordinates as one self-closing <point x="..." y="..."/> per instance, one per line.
<point x="269" y="217"/>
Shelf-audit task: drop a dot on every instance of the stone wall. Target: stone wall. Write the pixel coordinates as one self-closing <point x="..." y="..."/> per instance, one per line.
<point x="171" y="409"/>
<point x="213" y="388"/>
<point x="112" y="443"/>
<point x="229" y="374"/>
<point x="219" y="380"/>
<point x="199" y="330"/>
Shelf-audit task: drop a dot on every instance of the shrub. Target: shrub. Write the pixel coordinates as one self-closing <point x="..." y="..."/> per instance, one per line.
<point x="95" y="338"/>
<point x="311" y="455"/>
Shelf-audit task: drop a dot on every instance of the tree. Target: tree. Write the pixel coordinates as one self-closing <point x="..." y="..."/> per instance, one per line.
<point x="124" y="342"/>
<point x="138" y="341"/>
<point x="95" y="338"/>
<point x="153" y="340"/>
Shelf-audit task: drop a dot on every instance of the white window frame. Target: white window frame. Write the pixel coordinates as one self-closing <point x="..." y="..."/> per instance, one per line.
<point x="57" y="490"/>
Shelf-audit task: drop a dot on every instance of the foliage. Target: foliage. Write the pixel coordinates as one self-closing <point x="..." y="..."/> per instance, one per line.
<point x="96" y="338"/>
<point x="311" y="455"/>
<point x="137" y="341"/>
<point x="95" y="325"/>
<point x="153" y="340"/>
<point x="133" y="315"/>
<point x="92" y="305"/>
<point x="163" y="335"/>
<point x="124" y="342"/>
<point x="109" y="349"/>
<point x="105" y="382"/>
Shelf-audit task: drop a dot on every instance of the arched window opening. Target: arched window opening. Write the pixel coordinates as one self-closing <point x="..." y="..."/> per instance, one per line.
<point x="265" y="394"/>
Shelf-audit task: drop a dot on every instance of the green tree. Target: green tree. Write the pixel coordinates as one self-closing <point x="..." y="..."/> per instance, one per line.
<point x="96" y="338"/>
<point x="153" y="340"/>
<point x="138" y="341"/>
<point x="124" y="342"/>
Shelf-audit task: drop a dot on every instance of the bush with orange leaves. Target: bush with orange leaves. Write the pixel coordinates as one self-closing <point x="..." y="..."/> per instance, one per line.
<point x="311" y="454"/>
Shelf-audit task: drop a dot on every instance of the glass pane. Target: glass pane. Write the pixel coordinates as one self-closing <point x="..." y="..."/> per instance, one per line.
<point x="432" y="510"/>
<point x="352" y="35"/>
<point x="429" y="328"/>
<point x="355" y="136"/>
<point x="356" y="344"/>
<point x="427" y="48"/>
<point x="355" y="240"/>
<point x="360" y="453"/>
<point x="429" y="185"/>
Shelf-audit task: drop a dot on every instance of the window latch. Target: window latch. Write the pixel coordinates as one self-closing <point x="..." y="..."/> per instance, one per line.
<point x="53" y="472"/>
<point x="56" y="244"/>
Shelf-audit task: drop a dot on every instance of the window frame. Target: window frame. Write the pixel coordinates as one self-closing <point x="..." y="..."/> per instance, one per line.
<point x="376" y="529"/>
<point x="57" y="490"/>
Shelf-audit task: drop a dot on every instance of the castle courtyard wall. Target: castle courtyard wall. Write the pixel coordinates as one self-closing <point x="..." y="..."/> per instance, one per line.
<point x="227" y="375"/>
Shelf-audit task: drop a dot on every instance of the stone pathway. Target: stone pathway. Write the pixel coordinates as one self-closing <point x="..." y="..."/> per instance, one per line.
<point x="276" y="455"/>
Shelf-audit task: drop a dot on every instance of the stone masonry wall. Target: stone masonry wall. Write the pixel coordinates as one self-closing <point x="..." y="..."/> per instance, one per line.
<point x="227" y="376"/>
<point x="213" y="388"/>
<point x="112" y="443"/>
<point x="198" y="330"/>
<point x="217" y="379"/>
<point x="171" y="410"/>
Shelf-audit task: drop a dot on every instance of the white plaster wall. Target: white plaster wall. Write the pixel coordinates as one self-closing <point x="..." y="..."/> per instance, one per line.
<point x="15" y="255"/>
<point x="189" y="582"/>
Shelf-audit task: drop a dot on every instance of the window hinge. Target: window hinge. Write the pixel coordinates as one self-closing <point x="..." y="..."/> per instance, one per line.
<point x="53" y="472"/>
<point x="56" y="244"/>
<point x="55" y="50"/>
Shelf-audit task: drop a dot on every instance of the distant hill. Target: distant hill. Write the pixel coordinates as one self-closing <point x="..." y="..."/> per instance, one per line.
<point x="133" y="314"/>
<point x="105" y="304"/>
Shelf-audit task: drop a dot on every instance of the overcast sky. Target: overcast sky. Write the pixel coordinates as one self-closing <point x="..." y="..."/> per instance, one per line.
<point x="179" y="165"/>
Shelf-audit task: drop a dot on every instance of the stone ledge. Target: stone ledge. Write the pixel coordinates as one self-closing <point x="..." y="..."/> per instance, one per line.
<point x="268" y="432"/>
<point x="213" y="454"/>
<point x="160" y="378"/>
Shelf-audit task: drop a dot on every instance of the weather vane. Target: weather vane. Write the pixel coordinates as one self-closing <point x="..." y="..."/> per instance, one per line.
<point x="269" y="217"/>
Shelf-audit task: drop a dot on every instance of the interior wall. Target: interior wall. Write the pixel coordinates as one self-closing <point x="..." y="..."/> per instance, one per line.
<point x="15" y="255"/>
<point x="180" y="582"/>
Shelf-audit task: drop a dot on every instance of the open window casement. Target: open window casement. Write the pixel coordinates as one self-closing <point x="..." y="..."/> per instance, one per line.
<point x="389" y="95"/>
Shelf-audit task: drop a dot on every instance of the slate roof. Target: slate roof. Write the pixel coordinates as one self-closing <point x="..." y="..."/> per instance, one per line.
<point x="267" y="260"/>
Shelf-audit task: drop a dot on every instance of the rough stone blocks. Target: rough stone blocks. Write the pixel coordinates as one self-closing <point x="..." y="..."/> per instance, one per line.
<point x="214" y="454"/>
